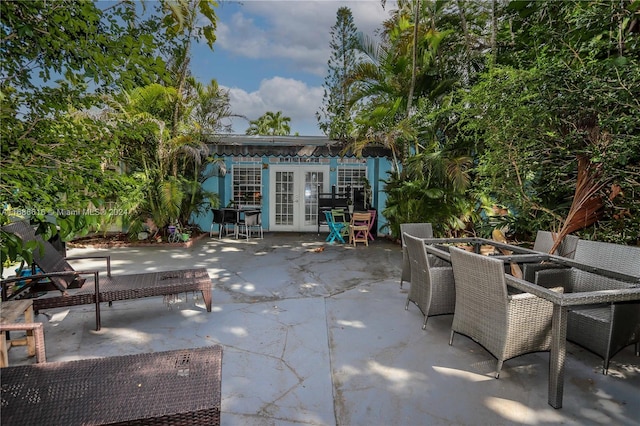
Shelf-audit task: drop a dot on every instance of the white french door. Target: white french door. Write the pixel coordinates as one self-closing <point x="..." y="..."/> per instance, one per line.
<point x="293" y="197"/>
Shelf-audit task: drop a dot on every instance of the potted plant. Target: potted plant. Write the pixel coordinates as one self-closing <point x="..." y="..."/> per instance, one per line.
<point x="350" y="205"/>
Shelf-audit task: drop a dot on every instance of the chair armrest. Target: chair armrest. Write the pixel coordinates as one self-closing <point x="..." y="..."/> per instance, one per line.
<point x="525" y="296"/>
<point x="107" y="258"/>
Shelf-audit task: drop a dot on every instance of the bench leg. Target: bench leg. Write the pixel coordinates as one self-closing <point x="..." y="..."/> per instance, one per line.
<point x="39" y="343"/>
<point x="206" y="295"/>
<point x="4" y="357"/>
<point x="31" y="342"/>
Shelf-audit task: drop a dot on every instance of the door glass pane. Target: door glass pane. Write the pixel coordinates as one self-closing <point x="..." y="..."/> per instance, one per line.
<point x="311" y="182"/>
<point x="284" y="198"/>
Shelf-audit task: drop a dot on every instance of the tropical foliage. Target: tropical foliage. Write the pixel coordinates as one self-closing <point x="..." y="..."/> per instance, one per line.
<point x="491" y="106"/>
<point x="270" y="124"/>
<point x="63" y="153"/>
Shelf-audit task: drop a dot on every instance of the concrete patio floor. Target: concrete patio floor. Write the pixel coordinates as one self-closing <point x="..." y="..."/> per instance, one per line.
<point x="321" y="337"/>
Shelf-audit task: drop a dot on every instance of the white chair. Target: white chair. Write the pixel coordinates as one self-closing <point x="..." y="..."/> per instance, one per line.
<point x="252" y="222"/>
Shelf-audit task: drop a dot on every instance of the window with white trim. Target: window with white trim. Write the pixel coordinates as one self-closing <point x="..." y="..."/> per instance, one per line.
<point x="247" y="185"/>
<point x="351" y="176"/>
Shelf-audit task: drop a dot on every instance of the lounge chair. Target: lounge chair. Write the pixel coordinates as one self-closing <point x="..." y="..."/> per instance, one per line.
<point x="61" y="276"/>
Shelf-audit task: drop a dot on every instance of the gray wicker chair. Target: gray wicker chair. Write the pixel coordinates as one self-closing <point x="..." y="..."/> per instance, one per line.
<point x="432" y="288"/>
<point x="505" y="325"/>
<point x="602" y="329"/>
<point x="543" y="243"/>
<point x="419" y="230"/>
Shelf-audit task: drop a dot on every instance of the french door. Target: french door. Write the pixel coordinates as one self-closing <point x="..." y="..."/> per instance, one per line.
<point x="293" y="198"/>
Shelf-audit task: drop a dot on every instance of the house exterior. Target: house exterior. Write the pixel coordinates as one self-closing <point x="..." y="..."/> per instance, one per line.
<point x="285" y="176"/>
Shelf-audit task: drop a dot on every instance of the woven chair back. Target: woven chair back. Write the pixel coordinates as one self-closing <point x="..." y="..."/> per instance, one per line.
<point x="420" y="230"/>
<point x="218" y="216"/>
<point x="481" y="292"/>
<point x="420" y="290"/>
<point x="615" y="257"/>
<point x="545" y="239"/>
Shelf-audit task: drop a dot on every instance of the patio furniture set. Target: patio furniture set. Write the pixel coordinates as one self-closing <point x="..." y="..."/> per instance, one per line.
<point x="591" y="297"/>
<point x="242" y="222"/>
<point x="356" y="226"/>
<point x="177" y="387"/>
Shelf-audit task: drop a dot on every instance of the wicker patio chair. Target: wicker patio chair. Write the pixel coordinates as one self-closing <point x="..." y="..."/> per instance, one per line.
<point x="543" y="243"/>
<point x="602" y="329"/>
<point x="432" y="288"/>
<point x="419" y="230"/>
<point x="62" y="276"/>
<point x="506" y="325"/>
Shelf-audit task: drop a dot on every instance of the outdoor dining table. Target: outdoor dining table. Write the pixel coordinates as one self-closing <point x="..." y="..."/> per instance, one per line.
<point x="171" y="387"/>
<point x="562" y="302"/>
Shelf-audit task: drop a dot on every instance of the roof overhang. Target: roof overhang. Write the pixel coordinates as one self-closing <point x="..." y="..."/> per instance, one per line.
<point x="286" y="146"/>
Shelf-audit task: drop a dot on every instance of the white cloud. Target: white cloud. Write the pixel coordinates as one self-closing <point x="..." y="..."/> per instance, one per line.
<point x="294" y="35"/>
<point x="296" y="31"/>
<point x="294" y="98"/>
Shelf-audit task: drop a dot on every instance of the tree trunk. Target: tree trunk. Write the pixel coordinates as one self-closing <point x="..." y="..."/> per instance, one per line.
<point x="494" y="31"/>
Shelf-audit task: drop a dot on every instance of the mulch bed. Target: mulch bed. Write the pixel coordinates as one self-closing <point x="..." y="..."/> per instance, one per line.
<point x="120" y="239"/>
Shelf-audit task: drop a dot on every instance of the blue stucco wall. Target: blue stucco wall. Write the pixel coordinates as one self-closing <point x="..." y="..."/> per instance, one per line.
<point x="377" y="169"/>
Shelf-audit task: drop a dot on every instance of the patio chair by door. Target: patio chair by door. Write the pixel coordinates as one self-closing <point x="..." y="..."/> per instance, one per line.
<point x="373" y="220"/>
<point x="359" y="228"/>
<point x="230" y="219"/>
<point x="218" y="219"/>
<point x="335" y="228"/>
<point x="252" y="222"/>
<point x="339" y="216"/>
<point x="506" y="325"/>
<point x="419" y="230"/>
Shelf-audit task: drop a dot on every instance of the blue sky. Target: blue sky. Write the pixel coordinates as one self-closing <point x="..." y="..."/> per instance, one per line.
<point x="272" y="55"/>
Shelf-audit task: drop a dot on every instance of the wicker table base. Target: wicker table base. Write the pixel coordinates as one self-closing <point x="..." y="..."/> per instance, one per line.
<point x="179" y="387"/>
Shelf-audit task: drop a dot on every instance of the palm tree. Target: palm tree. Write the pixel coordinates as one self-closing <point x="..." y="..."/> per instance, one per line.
<point x="271" y="124"/>
<point x="402" y="68"/>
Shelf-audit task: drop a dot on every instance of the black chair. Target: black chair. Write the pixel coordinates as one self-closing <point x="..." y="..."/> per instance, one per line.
<point x="223" y="218"/>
